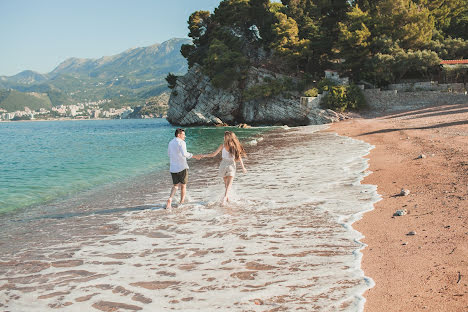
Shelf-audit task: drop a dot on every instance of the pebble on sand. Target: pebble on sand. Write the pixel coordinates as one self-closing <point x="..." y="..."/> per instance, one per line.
<point x="404" y="192"/>
<point x="400" y="212"/>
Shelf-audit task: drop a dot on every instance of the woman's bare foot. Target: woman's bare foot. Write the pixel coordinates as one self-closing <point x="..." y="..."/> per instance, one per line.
<point x="169" y="202"/>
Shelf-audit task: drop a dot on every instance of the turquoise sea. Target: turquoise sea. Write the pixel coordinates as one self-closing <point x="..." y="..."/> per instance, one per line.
<point x="48" y="160"/>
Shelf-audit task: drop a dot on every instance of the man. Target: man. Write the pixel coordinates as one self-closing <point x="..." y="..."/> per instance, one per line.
<point x="178" y="156"/>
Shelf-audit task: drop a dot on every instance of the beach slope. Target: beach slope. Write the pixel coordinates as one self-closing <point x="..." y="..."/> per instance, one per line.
<point x="419" y="261"/>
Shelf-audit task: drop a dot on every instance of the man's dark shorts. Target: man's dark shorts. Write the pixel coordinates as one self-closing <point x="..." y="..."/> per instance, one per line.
<point x="180" y="177"/>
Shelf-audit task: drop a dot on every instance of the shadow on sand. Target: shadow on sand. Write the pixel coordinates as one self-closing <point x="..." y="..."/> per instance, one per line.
<point x="426" y="112"/>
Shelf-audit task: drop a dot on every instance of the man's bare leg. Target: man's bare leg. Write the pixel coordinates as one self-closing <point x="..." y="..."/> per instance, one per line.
<point x="183" y="189"/>
<point x="173" y="191"/>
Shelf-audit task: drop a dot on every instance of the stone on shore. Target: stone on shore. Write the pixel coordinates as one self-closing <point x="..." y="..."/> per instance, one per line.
<point x="400" y="212"/>
<point x="404" y="192"/>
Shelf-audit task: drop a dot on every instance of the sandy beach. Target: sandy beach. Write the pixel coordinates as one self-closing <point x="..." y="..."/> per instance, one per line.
<point x="424" y="151"/>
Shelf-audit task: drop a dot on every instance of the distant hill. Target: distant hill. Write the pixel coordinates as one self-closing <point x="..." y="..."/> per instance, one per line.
<point x="25" y="77"/>
<point x="13" y="100"/>
<point x="128" y="78"/>
<point x="138" y="62"/>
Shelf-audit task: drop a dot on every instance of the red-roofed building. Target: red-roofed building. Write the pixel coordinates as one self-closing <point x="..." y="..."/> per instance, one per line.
<point x="454" y="71"/>
<point x="453" y="62"/>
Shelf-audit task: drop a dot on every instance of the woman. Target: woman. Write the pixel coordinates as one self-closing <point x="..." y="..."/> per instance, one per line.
<point x="232" y="152"/>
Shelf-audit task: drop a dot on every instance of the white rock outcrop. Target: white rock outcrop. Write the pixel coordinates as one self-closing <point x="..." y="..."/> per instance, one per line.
<point x="195" y="101"/>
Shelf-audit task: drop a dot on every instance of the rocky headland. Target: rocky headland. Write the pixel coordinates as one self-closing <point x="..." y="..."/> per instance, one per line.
<point x="195" y="101"/>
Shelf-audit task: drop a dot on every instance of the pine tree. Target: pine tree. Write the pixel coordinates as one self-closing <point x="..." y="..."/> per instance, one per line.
<point x="405" y="22"/>
<point x="355" y="41"/>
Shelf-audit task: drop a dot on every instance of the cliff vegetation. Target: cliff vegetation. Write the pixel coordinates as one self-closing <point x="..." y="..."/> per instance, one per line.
<point x="379" y="42"/>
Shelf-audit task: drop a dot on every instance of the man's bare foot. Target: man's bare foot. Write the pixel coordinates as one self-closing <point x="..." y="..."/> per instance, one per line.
<point x="169" y="202"/>
<point x="223" y="202"/>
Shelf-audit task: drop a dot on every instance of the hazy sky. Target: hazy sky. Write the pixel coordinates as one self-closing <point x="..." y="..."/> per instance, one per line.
<point x="39" y="34"/>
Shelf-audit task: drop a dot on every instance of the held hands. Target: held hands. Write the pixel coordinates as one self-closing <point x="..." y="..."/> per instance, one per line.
<point x="198" y="157"/>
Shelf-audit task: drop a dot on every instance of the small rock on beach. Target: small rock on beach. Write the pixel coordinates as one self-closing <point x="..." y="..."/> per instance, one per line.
<point x="400" y="212"/>
<point x="404" y="192"/>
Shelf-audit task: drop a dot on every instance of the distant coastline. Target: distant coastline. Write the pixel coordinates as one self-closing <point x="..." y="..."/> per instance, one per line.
<point x="73" y="119"/>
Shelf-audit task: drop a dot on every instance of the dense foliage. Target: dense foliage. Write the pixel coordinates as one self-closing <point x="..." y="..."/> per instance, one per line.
<point x="381" y="42"/>
<point x="311" y="92"/>
<point x="171" y="80"/>
<point x="341" y="98"/>
<point x="269" y="88"/>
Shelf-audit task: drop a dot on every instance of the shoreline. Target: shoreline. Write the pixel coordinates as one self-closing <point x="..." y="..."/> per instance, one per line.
<point x="276" y="247"/>
<point x="424" y="151"/>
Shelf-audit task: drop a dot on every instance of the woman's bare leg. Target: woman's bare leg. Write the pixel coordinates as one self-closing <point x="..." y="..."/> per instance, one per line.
<point x="227" y="184"/>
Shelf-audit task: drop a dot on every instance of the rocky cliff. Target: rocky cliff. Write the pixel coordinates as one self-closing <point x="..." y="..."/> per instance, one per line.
<point x="195" y="101"/>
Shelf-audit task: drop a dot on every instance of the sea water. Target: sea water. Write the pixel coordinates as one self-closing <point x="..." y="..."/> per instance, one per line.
<point x="283" y="242"/>
<point x="43" y="161"/>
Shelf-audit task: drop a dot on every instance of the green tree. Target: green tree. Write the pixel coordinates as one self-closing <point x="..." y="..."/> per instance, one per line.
<point x="286" y="35"/>
<point x="199" y="22"/>
<point x="444" y="10"/>
<point x="384" y="69"/>
<point x="342" y="98"/>
<point x="415" y="64"/>
<point x="262" y="17"/>
<point x="171" y="80"/>
<point x="224" y="65"/>
<point x="447" y="47"/>
<point x="233" y="13"/>
<point x="366" y="5"/>
<point x="354" y="41"/>
<point x="314" y="48"/>
<point x="458" y="27"/>
<point x="405" y="22"/>
<point x="379" y="69"/>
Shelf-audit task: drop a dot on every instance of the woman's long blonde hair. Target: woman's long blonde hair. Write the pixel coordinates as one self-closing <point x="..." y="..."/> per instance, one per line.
<point x="233" y="146"/>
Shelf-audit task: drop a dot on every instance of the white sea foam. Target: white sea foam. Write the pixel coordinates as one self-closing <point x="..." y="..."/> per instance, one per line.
<point x="284" y="241"/>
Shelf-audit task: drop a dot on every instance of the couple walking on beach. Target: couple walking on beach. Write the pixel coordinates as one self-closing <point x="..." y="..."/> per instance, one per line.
<point x="231" y="151"/>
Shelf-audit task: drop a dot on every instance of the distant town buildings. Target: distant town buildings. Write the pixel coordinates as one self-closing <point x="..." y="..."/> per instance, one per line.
<point x="86" y="110"/>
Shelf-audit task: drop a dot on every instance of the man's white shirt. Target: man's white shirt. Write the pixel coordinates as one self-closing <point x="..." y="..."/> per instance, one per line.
<point x="178" y="155"/>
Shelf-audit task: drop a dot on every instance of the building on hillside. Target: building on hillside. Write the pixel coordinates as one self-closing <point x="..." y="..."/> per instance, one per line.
<point x="9" y="116"/>
<point x="72" y="111"/>
<point x="454" y="71"/>
<point x="95" y="113"/>
<point x="126" y="113"/>
<point x="334" y="76"/>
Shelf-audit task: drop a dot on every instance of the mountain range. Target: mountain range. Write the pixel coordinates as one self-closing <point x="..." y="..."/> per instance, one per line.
<point x="128" y="78"/>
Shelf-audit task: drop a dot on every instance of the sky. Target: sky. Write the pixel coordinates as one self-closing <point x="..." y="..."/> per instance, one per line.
<point x="40" y="34"/>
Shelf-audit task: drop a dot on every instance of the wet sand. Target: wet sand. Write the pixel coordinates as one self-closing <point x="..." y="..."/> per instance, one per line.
<point x="427" y="271"/>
